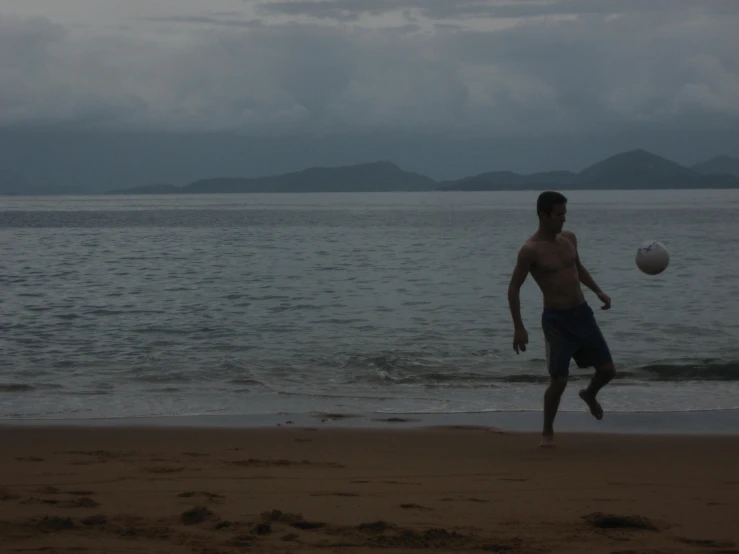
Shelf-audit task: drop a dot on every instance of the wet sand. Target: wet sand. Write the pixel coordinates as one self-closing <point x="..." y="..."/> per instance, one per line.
<point x="316" y="489"/>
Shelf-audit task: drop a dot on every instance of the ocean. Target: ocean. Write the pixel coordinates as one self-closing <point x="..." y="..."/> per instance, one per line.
<point x="395" y="303"/>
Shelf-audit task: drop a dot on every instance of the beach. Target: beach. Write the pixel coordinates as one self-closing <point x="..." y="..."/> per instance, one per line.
<point x="334" y="373"/>
<point x="332" y="488"/>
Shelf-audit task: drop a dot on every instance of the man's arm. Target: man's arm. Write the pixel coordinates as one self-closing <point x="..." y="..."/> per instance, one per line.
<point x="524" y="262"/>
<point x="585" y="277"/>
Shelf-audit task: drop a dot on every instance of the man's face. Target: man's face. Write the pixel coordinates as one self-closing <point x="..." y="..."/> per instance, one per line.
<point x="557" y="219"/>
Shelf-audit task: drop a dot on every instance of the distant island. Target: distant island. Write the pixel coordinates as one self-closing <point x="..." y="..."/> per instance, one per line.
<point x="633" y="170"/>
<point x="371" y="177"/>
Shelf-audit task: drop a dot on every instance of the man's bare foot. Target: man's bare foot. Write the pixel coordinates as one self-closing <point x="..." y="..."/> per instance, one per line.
<point x="592" y="403"/>
<point x="547" y="441"/>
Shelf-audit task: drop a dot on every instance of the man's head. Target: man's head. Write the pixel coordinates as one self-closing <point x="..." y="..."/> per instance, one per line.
<point x="552" y="208"/>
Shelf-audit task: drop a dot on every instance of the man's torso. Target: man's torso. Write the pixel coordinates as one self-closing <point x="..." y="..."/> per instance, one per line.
<point x="555" y="271"/>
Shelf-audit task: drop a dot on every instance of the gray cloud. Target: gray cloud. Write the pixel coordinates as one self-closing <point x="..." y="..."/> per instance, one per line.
<point x="225" y="14"/>
<point x="656" y="64"/>
<point x="346" y="10"/>
<point x="213" y="19"/>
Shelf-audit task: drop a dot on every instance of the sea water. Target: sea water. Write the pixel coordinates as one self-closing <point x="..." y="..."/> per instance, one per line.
<point x="181" y="305"/>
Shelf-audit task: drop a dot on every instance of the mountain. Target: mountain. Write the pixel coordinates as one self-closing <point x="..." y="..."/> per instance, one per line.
<point x="636" y="169"/>
<point x="100" y="160"/>
<point x="509" y="179"/>
<point x="720" y="165"/>
<point x="370" y="177"/>
<point x="634" y="166"/>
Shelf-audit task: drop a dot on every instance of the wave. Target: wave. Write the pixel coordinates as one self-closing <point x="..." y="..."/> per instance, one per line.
<point x="700" y="371"/>
<point x="406" y="373"/>
<point x="431" y="378"/>
<point x="706" y="370"/>
<point x="15" y="387"/>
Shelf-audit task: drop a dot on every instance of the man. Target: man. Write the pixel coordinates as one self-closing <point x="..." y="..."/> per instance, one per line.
<point x="569" y="325"/>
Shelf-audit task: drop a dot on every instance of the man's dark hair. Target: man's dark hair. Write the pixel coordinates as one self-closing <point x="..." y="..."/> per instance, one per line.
<point x="547" y="200"/>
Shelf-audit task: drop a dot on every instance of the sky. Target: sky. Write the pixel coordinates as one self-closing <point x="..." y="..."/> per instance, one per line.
<point x="466" y="67"/>
<point x="457" y="69"/>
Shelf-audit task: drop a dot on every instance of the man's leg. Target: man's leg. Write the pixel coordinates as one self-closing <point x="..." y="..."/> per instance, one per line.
<point x="552" y="396"/>
<point x="558" y="354"/>
<point x="603" y="375"/>
<point x="595" y="353"/>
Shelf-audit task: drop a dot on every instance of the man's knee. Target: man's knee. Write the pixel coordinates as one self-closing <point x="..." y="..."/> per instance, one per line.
<point x="607" y="370"/>
<point x="558" y="384"/>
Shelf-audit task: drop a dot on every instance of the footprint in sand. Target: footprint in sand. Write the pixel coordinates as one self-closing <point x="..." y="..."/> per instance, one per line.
<point x="98" y="519"/>
<point x="414" y="507"/>
<point x="211" y="496"/>
<point x="253" y="462"/>
<point x="308" y="524"/>
<point x="162" y="469"/>
<point x="111" y="454"/>
<point x="84" y="502"/>
<point x="195" y="515"/>
<point x="39" y="501"/>
<point x="5" y="494"/>
<point x="466" y="499"/>
<point x="55" y="523"/>
<point x="335" y="494"/>
<point x="54" y="490"/>
<point x="401" y="482"/>
<point x="97" y="456"/>
<point x="707" y="542"/>
<point x="613" y="521"/>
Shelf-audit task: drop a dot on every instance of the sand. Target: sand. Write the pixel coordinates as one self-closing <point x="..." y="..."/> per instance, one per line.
<point x="289" y="489"/>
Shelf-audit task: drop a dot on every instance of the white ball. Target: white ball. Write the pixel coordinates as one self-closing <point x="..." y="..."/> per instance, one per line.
<point x="652" y="258"/>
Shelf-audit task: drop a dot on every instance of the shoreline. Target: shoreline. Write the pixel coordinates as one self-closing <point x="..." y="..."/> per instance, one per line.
<point x="710" y="422"/>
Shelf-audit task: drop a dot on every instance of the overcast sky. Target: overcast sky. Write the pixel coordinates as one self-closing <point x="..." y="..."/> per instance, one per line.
<point x="454" y="67"/>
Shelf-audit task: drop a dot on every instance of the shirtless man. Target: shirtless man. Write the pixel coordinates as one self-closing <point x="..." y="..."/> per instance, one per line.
<point x="569" y="325"/>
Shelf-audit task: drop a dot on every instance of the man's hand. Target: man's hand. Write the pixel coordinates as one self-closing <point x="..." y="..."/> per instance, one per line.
<point x="603" y="297"/>
<point x="520" y="340"/>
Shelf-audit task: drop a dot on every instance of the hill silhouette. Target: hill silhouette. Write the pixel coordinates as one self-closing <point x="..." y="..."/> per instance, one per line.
<point x="720" y="165"/>
<point x="370" y="177"/>
<point x="636" y="169"/>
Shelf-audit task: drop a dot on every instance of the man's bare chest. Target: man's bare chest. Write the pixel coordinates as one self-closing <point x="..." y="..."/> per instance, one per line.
<point x="552" y="258"/>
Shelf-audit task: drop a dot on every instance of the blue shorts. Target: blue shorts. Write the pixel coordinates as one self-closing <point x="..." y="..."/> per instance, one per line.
<point x="572" y="333"/>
